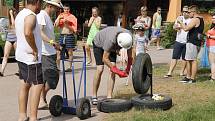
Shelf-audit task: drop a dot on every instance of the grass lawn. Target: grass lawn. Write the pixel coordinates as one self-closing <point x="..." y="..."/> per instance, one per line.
<point x="191" y="102"/>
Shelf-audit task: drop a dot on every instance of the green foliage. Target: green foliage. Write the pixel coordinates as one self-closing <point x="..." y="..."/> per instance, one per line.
<point x="169" y="36"/>
<point x="212" y="11"/>
<point x="9" y="2"/>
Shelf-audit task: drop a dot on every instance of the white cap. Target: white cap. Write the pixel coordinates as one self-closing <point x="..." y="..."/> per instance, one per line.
<point x="124" y="40"/>
<point x="54" y="2"/>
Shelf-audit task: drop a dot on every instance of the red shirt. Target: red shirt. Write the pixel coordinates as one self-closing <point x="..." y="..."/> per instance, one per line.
<point x="211" y="42"/>
<point x="72" y="20"/>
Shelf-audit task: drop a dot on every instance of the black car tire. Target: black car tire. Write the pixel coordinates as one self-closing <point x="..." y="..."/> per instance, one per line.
<point x="114" y="105"/>
<point x="142" y="73"/>
<point x="145" y="101"/>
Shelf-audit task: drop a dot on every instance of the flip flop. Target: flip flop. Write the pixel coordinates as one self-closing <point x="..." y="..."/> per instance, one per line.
<point x="167" y="76"/>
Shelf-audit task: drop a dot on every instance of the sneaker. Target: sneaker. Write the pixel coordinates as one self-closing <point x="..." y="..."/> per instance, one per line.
<point x="185" y="80"/>
<point x="191" y="81"/>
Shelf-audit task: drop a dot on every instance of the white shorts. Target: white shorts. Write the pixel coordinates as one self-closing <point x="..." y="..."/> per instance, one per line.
<point x="191" y="51"/>
<point x="211" y="49"/>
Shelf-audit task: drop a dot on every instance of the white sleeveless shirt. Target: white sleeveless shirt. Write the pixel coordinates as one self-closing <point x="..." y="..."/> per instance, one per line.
<point x="23" y="50"/>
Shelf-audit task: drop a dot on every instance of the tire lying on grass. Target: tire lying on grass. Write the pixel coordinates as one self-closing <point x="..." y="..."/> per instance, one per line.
<point x="145" y="101"/>
<point x="142" y="73"/>
<point x="114" y="105"/>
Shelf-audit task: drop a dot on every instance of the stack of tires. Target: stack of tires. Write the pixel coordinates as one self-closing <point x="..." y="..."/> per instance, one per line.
<point x="142" y="79"/>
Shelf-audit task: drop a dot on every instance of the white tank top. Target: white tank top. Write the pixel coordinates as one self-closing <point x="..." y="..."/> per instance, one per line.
<point x="23" y="50"/>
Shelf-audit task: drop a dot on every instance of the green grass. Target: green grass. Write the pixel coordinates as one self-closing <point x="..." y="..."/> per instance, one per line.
<point x="192" y="102"/>
<point x="192" y="113"/>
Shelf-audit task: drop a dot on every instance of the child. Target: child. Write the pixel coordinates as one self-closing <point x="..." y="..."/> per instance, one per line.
<point x="141" y="41"/>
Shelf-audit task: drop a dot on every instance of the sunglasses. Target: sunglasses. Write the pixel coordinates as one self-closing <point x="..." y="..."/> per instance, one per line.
<point x="185" y="12"/>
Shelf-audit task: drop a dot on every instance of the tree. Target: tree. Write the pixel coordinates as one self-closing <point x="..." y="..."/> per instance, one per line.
<point x="9" y="2"/>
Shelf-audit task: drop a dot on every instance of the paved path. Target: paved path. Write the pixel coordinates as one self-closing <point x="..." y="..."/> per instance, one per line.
<point x="10" y="83"/>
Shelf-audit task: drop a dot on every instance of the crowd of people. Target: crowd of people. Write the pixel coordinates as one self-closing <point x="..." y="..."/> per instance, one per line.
<point x="31" y="34"/>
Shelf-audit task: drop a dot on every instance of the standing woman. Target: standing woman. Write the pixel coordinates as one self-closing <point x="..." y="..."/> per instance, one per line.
<point x="94" y="24"/>
<point x="144" y="19"/>
<point x="211" y="47"/>
<point x="10" y="39"/>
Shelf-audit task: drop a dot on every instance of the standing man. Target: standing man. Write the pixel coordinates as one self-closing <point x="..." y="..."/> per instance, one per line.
<point x="156" y="26"/>
<point x="68" y="27"/>
<point x="179" y="49"/>
<point x="28" y="55"/>
<point x="49" y="57"/>
<point x="105" y="48"/>
<point x="195" y="28"/>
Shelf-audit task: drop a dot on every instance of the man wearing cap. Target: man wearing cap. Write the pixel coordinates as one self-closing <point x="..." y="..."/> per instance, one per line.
<point x="106" y="45"/>
<point x="68" y="27"/>
<point x="49" y="46"/>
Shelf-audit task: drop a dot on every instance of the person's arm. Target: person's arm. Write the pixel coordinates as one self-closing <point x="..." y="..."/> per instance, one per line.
<point x="130" y="59"/>
<point x="29" y="26"/>
<point x="12" y="18"/>
<point x="148" y="23"/>
<point x="191" y="25"/>
<point x="175" y="26"/>
<point x="57" y="21"/>
<point x="98" y="22"/>
<point x="92" y="19"/>
<point x="113" y="68"/>
<point x="137" y="19"/>
<point x="106" y="60"/>
<point x="154" y="20"/>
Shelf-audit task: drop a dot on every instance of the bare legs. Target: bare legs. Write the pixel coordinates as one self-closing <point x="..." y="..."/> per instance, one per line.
<point x="23" y="100"/>
<point x="212" y="62"/>
<point x="7" y="49"/>
<point x="97" y="80"/>
<point x="89" y="61"/>
<point x="173" y="64"/>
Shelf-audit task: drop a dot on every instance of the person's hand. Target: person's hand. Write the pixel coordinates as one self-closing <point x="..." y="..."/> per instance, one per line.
<point x="121" y="74"/>
<point x="127" y="70"/>
<point x="35" y="54"/>
<point x="57" y="46"/>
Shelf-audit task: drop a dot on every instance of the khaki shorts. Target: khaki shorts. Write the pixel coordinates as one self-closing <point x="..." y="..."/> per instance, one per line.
<point x="191" y="51"/>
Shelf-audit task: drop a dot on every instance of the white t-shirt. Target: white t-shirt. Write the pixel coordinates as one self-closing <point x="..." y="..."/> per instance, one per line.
<point x="44" y="20"/>
<point x="23" y="50"/>
<point x="182" y="35"/>
<point x="140" y="44"/>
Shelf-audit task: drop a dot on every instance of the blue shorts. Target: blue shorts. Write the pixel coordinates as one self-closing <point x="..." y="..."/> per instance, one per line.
<point x="156" y="33"/>
<point x="68" y="40"/>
